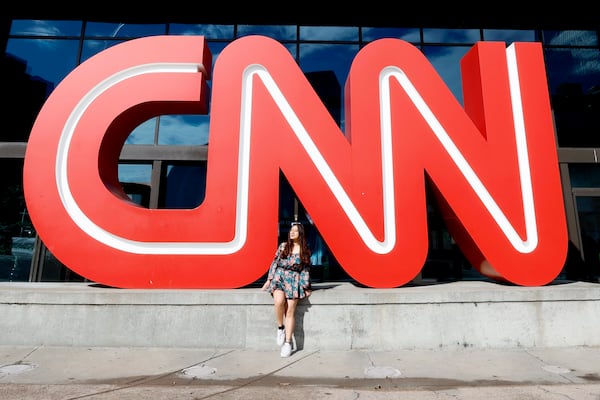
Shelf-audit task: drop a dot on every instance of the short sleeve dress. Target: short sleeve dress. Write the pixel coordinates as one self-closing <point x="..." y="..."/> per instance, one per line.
<point x="290" y="275"/>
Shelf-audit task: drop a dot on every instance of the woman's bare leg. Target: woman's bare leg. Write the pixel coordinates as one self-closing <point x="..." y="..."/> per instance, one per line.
<point x="280" y="306"/>
<point x="290" y="319"/>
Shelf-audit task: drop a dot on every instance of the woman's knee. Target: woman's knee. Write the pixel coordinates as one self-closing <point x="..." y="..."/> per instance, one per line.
<point x="279" y="297"/>
<point x="291" y="304"/>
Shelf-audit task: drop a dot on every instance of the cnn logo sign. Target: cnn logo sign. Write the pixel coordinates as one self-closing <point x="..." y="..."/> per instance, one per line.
<point x="492" y="164"/>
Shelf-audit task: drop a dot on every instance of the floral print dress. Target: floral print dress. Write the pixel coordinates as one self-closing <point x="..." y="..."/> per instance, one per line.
<point x="289" y="275"/>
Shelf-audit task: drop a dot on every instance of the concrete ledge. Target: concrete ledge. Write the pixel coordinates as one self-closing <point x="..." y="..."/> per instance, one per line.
<point x="338" y="316"/>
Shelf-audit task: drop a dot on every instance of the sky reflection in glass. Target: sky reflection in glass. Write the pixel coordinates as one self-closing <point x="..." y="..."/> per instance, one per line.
<point x="278" y="32"/>
<point x="569" y="67"/>
<point x="508" y="36"/>
<point x="183" y="130"/>
<point x="446" y="61"/>
<point x="111" y="29"/>
<point x="93" y="47"/>
<point x="411" y="35"/>
<point x="329" y="33"/>
<point x="207" y="30"/>
<point x="143" y="133"/>
<point x="48" y="59"/>
<point x="30" y="27"/>
<point x="570" y="38"/>
<point x="329" y="57"/>
<point x="135" y="173"/>
<point x="459" y="36"/>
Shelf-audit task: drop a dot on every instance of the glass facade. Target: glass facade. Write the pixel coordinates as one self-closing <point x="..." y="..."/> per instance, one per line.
<point x="163" y="162"/>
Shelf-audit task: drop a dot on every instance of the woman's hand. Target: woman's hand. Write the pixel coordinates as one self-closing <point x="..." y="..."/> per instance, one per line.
<point x="266" y="285"/>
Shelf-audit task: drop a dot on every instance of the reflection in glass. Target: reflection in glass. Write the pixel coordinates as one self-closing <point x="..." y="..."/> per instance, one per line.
<point x="16" y="254"/>
<point x="463" y="36"/>
<point x="23" y="96"/>
<point x="329" y="57"/>
<point x="185" y="185"/>
<point x="186" y="129"/>
<point x="329" y="33"/>
<point x="574" y="82"/>
<point x="144" y="133"/>
<point x="122" y="30"/>
<point x="215" y="49"/>
<point x="183" y="130"/>
<point x="135" y="173"/>
<point x="411" y="35"/>
<point x="329" y="91"/>
<point x="17" y="234"/>
<point x="52" y="270"/>
<point x="573" y="66"/>
<point x="210" y="31"/>
<point x="584" y="175"/>
<point x="139" y="193"/>
<point x="509" y="35"/>
<point x="572" y="38"/>
<point x="446" y="61"/>
<point x="292" y="49"/>
<point x="93" y="47"/>
<point x="278" y="32"/>
<point x="50" y="60"/>
<point x="28" y="27"/>
<point x="589" y="222"/>
<point x="14" y="220"/>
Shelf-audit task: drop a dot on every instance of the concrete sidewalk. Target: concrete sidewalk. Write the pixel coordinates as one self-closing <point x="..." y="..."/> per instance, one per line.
<point x="70" y="373"/>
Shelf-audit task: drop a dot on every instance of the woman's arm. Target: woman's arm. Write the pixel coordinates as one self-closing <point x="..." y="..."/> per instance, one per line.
<point x="273" y="266"/>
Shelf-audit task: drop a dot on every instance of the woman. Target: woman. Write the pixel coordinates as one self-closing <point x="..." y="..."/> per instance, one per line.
<point x="289" y="281"/>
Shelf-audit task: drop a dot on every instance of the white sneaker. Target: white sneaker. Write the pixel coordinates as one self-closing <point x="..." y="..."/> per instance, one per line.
<point x="286" y="349"/>
<point x="280" y="336"/>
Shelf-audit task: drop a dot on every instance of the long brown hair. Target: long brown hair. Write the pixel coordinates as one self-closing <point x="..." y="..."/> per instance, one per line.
<point x="305" y="252"/>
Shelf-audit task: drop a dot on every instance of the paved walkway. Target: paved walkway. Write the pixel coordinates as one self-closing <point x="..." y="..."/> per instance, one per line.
<point x="69" y="373"/>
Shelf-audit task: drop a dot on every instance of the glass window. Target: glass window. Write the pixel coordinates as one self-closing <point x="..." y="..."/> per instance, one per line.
<point x="572" y="38"/>
<point x="326" y="58"/>
<point x="589" y="222"/>
<point x="215" y="49"/>
<point x="446" y="61"/>
<point x="46" y="60"/>
<point x="186" y="129"/>
<point x="292" y="48"/>
<point x="17" y="234"/>
<point x="52" y="270"/>
<point x="279" y="32"/>
<point x="210" y="31"/>
<point x="139" y="193"/>
<point x="411" y="35"/>
<point x="93" y="47"/>
<point x="463" y="36"/>
<point x="509" y="35"/>
<point x="135" y="173"/>
<point x="14" y="219"/>
<point x="185" y="185"/>
<point x="574" y="82"/>
<point x="22" y="97"/>
<point x="329" y="33"/>
<point x="573" y="66"/>
<point x="143" y="133"/>
<point x="183" y="130"/>
<point x="121" y="30"/>
<point x="30" y="27"/>
<point x="584" y="175"/>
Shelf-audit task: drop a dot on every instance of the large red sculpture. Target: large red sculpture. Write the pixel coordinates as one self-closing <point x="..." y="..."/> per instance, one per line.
<point x="493" y="163"/>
